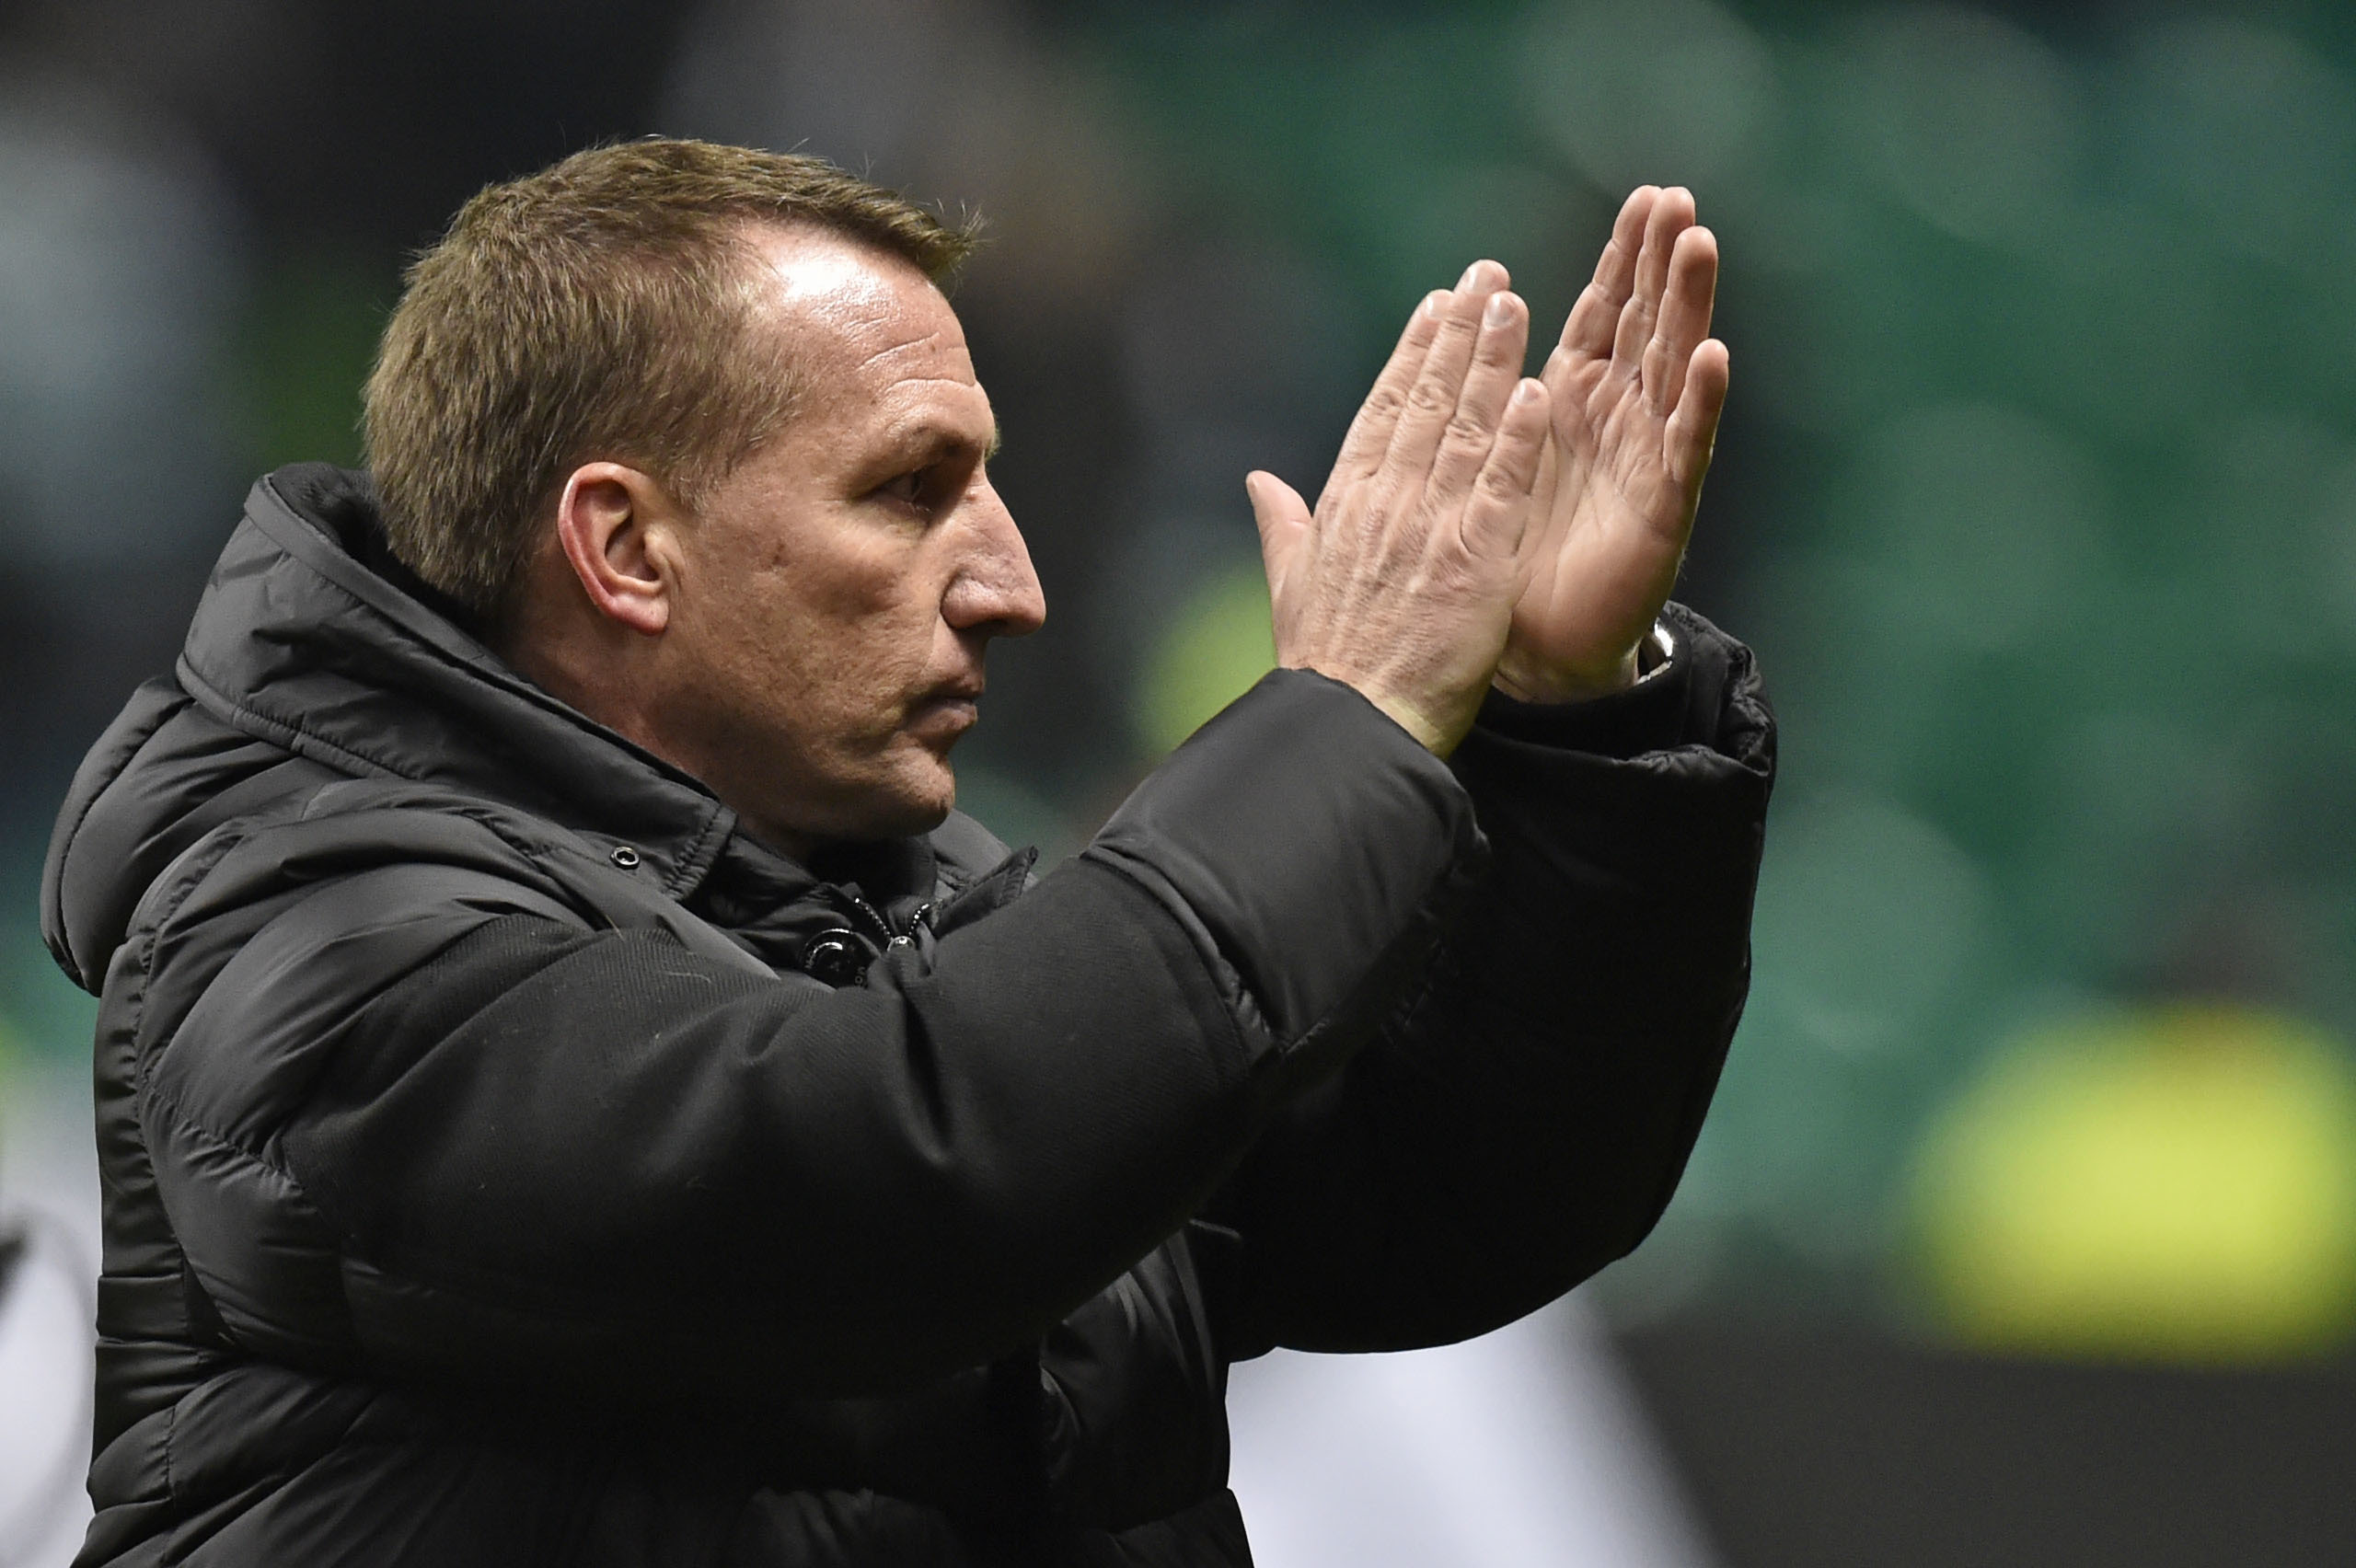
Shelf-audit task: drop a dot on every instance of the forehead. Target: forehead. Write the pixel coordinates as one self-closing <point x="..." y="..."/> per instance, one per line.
<point x="875" y="341"/>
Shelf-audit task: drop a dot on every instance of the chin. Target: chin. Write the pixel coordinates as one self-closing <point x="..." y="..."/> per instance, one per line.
<point x="925" y="819"/>
<point x="911" y="807"/>
<point x="904" y="801"/>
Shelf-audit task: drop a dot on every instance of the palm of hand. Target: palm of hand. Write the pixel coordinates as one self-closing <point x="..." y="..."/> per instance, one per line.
<point x="1637" y="386"/>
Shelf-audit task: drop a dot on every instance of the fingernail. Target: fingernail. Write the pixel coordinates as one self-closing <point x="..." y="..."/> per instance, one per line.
<point x="1434" y="300"/>
<point x="1500" y="310"/>
<point x="1527" y="390"/>
<point x="1470" y="273"/>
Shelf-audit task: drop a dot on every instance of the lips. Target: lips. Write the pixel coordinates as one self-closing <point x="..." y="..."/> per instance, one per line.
<point x="954" y="706"/>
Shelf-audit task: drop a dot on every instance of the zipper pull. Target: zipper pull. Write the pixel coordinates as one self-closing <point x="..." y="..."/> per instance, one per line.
<point x="919" y="924"/>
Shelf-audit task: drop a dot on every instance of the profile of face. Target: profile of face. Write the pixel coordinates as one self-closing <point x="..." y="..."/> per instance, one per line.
<point x="819" y="623"/>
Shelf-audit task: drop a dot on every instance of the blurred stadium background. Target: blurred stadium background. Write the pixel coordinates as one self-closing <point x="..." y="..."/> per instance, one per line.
<point x="2025" y="1228"/>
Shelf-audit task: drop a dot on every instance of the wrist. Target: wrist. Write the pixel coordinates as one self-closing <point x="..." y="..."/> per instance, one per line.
<point x="1526" y="680"/>
<point x="1524" y="683"/>
<point x="1433" y="731"/>
<point x="1434" y="738"/>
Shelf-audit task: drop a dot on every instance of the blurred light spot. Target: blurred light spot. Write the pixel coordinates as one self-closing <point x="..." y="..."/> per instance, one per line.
<point x="2174" y="1182"/>
<point x="948" y="100"/>
<point x="1237" y="356"/>
<point x="1966" y="119"/>
<point x="1980" y="525"/>
<point x="1233" y="357"/>
<point x="1674" y="92"/>
<point x="1435" y="218"/>
<point x="2335" y="537"/>
<point x="1521" y="1449"/>
<point x="844" y="79"/>
<point x="1872" y="935"/>
<point x="1868" y="918"/>
<point x="2264" y="510"/>
<point x="2254" y="132"/>
<point x="309" y="347"/>
<point x="1211" y="653"/>
<point x="2133" y="321"/>
<point x="2140" y="810"/>
<point x="119" y="276"/>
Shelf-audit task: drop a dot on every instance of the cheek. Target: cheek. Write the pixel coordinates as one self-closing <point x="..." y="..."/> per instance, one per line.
<point x="865" y="639"/>
<point x="843" y="665"/>
<point x="877" y="610"/>
<point x="829" y="631"/>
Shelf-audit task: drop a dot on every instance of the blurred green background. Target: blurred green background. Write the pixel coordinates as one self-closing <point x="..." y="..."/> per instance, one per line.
<point x="2037" y="496"/>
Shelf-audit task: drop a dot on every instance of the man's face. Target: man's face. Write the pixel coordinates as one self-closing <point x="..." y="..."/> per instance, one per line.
<point x="839" y="588"/>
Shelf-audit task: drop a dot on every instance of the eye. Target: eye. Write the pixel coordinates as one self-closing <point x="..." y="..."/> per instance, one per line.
<point x="914" y="488"/>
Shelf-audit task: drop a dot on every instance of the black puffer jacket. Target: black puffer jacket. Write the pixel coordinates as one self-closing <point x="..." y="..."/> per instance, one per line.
<point x="508" y="1161"/>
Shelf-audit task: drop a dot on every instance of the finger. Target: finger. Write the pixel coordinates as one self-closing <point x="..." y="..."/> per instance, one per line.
<point x="1595" y="316"/>
<point x="1369" y="432"/>
<point x="1693" y="433"/>
<point x="1684" y="316"/>
<point x="1671" y="215"/>
<point x="1497" y="356"/>
<point x="1497" y="518"/>
<point x="1284" y="520"/>
<point x="1440" y="386"/>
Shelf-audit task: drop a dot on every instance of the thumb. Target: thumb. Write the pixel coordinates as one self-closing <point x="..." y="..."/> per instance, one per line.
<point x="1284" y="519"/>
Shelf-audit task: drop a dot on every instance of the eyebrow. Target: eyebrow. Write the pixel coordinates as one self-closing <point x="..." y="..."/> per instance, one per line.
<point x="930" y="440"/>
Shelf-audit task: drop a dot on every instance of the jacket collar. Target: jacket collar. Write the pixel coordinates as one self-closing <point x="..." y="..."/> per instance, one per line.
<point x="310" y="635"/>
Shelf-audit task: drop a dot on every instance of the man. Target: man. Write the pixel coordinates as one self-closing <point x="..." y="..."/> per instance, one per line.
<point x="569" y="1091"/>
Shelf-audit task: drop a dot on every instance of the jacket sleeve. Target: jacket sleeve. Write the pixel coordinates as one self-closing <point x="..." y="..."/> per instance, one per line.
<point x="1524" y="1118"/>
<point x="431" y="1120"/>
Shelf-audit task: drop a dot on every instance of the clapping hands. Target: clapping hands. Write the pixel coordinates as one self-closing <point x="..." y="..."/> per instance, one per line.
<point x="1481" y="527"/>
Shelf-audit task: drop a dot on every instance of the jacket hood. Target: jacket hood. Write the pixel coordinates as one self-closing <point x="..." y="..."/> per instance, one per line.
<point x="314" y="656"/>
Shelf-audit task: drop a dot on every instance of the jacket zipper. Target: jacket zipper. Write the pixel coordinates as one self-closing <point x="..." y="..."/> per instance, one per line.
<point x="879" y="928"/>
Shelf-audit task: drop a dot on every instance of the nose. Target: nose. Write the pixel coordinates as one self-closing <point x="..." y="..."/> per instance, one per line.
<point x="995" y="591"/>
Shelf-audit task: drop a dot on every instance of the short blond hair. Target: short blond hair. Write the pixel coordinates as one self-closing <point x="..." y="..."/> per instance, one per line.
<point x="601" y="308"/>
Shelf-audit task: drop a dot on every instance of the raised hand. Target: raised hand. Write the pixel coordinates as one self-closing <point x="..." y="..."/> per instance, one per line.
<point x="1637" y="386"/>
<point x="1402" y="581"/>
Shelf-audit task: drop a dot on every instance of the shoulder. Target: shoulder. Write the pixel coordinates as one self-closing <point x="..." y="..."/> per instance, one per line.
<point x="350" y="849"/>
<point x="263" y="955"/>
<point x="296" y="915"/>
<point x="304" y="913"/>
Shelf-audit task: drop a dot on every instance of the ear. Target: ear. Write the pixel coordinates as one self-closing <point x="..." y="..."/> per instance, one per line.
<point x="618" y="530"/>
